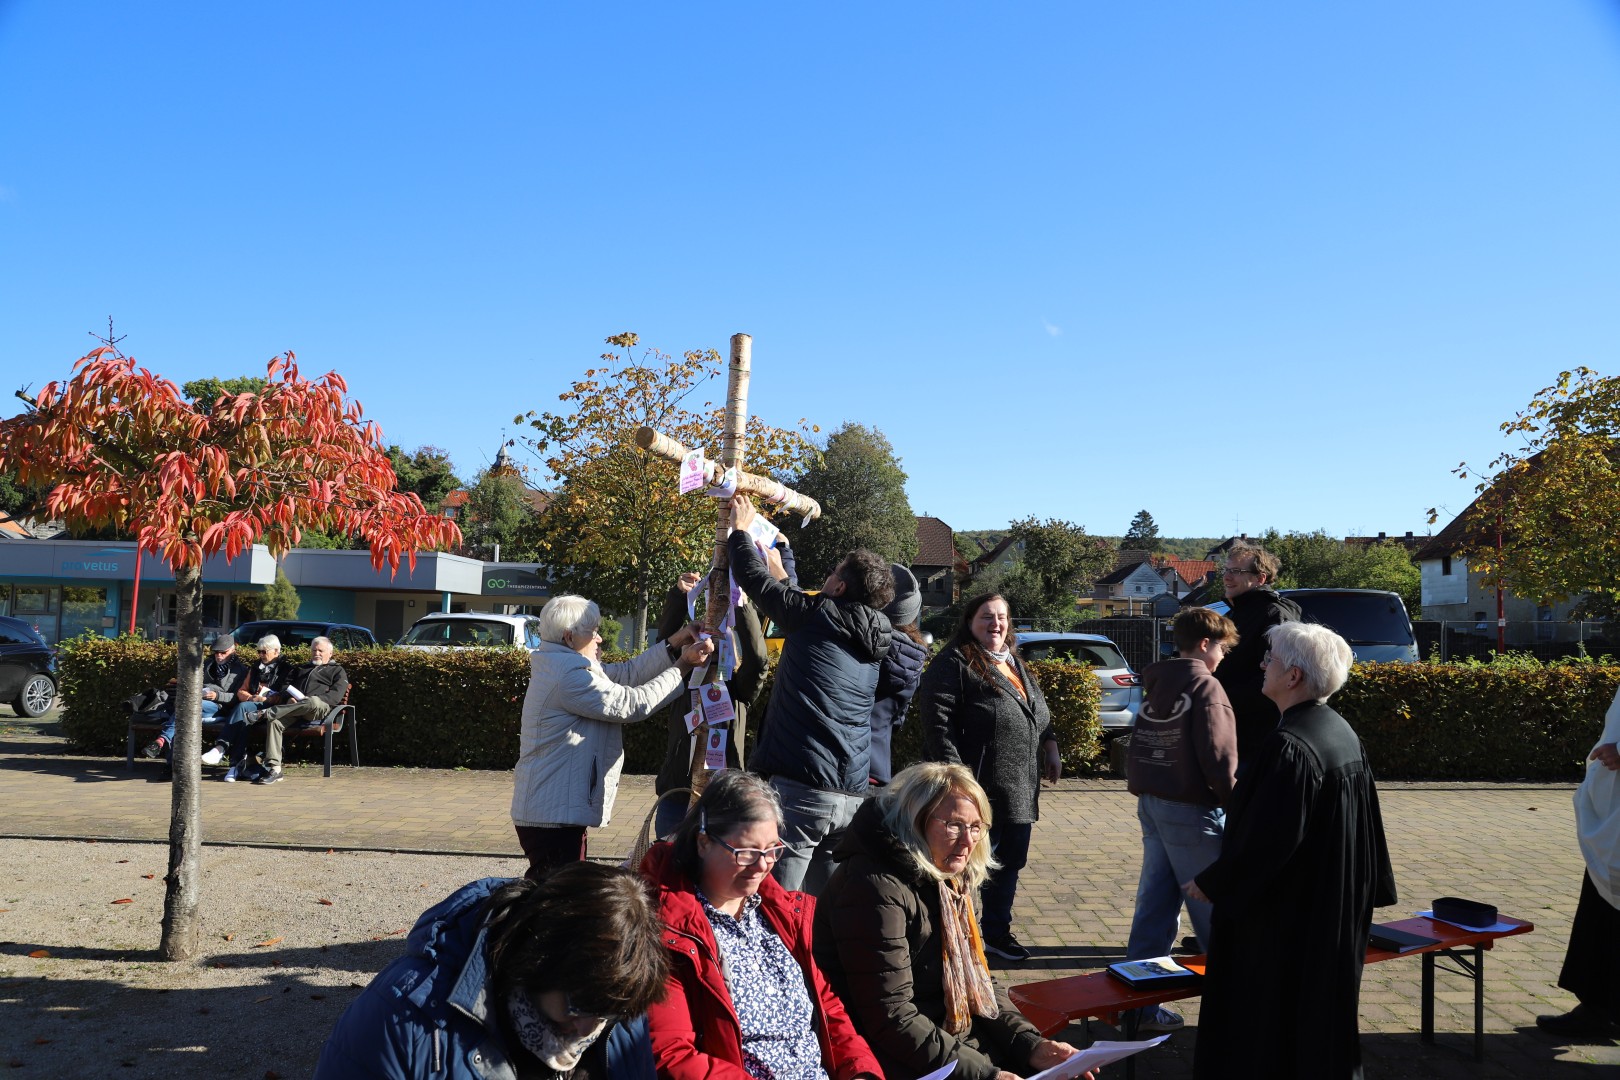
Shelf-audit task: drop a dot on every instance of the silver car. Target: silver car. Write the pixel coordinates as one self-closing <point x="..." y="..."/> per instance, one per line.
<point x="1121" y="687"/>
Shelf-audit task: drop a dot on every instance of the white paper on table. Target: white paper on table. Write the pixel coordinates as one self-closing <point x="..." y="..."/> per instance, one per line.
<point x="1494" y="928"/>
<point x="295" y="693"/>
<point x="942" y="1072"/>
<point x="1096" y="1056"/>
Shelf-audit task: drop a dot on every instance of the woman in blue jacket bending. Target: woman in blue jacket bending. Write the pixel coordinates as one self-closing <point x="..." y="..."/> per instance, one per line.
<point x="507" y="980"/>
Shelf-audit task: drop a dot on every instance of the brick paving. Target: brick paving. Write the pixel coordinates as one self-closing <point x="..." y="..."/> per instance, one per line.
<point x="1511" y="844"/>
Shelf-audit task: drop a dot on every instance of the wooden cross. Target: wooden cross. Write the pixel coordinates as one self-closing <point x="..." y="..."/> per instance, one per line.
<point x="731" y="457"/>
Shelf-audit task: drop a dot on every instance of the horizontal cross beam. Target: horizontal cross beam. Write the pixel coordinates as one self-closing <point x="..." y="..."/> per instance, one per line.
<point x="657" y="443"/>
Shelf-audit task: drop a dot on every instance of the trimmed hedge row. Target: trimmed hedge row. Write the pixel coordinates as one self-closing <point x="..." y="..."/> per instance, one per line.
<point x="463" y="709"/>
<point x="1501" y="721"/>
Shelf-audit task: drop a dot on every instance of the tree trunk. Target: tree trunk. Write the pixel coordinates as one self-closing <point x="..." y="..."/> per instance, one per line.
<point x="638" y="627"/>
<point x="182" y="925"/>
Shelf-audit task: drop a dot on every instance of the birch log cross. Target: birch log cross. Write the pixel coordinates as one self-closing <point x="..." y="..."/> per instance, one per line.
<point x="731" y="457"/>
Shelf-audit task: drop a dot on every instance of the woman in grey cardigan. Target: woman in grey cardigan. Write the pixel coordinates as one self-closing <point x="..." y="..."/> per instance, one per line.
<point x="573" y="743"/>
<point x="981" y="707"/>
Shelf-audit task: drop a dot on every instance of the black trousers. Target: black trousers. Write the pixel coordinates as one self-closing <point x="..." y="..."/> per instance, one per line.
<point x="1594" y="953"/>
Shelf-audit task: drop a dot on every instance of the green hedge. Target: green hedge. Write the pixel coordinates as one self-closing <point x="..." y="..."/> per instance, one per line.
<point x="1504" y="721"/>
<point x="1516" y="720"/>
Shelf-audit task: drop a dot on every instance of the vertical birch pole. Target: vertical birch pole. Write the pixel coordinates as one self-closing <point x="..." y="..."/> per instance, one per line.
<point x="719" y="601"/>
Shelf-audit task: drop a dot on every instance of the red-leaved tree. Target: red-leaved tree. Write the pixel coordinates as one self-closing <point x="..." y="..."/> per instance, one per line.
<point x="121" y="447"/>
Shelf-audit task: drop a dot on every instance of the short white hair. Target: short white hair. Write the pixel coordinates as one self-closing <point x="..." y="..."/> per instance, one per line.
<point x="568" y="614"/>
<point x="323" y="638"/>
<point x="269" y="641"/>
<point x="1322" y="657"/>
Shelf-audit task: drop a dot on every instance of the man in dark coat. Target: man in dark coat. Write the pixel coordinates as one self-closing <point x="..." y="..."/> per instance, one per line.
<point x="311" y="691"/>
<point x="816" y="745"/>
<point x="1254" y="607"/>
<point x="1302" y="866"/>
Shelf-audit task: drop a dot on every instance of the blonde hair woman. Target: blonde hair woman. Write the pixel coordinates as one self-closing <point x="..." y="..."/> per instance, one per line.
<point x="896" y="936"/>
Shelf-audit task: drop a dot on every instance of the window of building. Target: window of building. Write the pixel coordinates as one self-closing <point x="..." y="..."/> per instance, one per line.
<point x="1445" y="565"/>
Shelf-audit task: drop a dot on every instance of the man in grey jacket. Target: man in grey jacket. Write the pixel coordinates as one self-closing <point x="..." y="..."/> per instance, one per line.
<point x="816" y="745"/>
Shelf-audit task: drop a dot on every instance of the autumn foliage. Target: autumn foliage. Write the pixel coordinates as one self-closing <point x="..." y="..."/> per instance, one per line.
<point x="121" y="447"/>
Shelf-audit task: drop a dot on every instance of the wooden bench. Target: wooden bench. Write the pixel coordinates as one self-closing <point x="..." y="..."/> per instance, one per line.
<point x="341" y="718"/>
<point x="1054" y="1004"/>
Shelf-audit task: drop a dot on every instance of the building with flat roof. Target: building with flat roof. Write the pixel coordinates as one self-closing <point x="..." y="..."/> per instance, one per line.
<point x="68" y="587"/>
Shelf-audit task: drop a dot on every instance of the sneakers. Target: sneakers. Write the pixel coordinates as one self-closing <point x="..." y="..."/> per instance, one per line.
<point x="269" y="776"/>
<point x="1005" y="946"/>
<point x="153" y="749"/>
<point x="1580" y="1022"/>
<point x="1159" y="1018"/>
<point x="214" y="756"/>
<point x="234" y="773"/>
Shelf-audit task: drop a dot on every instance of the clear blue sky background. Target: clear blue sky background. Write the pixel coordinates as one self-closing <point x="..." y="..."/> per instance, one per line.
<point x="1251" y="264"/>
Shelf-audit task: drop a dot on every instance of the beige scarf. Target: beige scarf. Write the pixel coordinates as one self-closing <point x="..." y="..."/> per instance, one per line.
<point x="968" y="989"/>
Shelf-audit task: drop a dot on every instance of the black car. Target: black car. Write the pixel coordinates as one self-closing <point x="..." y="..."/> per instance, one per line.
<point x="303" y="631"/>
<point x="27" y="668"/>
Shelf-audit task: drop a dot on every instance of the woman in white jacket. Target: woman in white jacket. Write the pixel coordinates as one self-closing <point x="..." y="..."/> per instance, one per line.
<point x="573" y="746"/>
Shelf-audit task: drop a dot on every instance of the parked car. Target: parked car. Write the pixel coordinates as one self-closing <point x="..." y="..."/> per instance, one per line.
<point x="471" y="630"/>
<point x="1121" y="687"/>
<point x="27" y="668"/>
<point x="1374" y="623"/>
<point x="303" y="631"/>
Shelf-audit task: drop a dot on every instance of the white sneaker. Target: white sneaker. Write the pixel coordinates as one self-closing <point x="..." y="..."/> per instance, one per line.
<point x="214" y="756"/>
<point x="232" y="774"/>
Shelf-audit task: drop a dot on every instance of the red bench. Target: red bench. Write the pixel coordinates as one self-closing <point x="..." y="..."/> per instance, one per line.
<point x="1054" y="1004"/>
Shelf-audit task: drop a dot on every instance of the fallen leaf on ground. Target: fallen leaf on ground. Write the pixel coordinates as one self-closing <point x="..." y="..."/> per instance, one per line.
<point x="401" y="930"/>
<point x="230" y="937"/>
<point x="3" y="910"/>
<point x="148" y="877"/>
<point x="267" y="944"/>
<point x="125" y="900"/>
<point x="317" y="997"/>
<point x="324" y="902"/>
<point x="40" y="954"/>
<point x="221" y="964"/>
<point x="267" y="997"/>
<point x="123" y="860"/>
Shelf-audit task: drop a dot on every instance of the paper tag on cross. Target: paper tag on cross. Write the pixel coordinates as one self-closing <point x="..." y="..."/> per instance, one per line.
<point x="763" y="532"/>
<point x="691" y="721"/>
<point x="692" y="476"/>
<point x="717" y="706"/>
<point x="726" y="486"/>
<point x="714" y="756"/>
<point x="698" y="675"/>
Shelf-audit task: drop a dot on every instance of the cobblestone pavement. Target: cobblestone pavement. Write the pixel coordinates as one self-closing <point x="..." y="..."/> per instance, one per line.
<point x="1509" y="844"/>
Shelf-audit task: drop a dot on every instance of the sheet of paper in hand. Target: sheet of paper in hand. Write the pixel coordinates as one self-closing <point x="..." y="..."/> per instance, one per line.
<point x="1157" y="971"/>
<point x="1096" y="1056"/>
<point x="295" y="693"/>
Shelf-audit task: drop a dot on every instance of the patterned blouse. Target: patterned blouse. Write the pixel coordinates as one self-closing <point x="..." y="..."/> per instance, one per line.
<point x="773" y="1006"/>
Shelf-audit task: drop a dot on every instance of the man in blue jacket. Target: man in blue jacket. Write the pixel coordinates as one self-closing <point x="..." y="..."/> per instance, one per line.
<point x="506" y="979"/>
<point x="816" y="746"/>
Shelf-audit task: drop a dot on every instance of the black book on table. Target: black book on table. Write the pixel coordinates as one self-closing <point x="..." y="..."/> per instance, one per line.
<point x="1398" y="941"/>
<point x="1159" y="972"/>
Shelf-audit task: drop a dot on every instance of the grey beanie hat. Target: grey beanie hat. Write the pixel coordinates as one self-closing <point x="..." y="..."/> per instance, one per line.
<point x="906" y="606"/>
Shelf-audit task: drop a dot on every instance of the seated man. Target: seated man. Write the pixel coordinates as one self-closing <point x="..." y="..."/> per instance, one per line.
<point x="311" y="691"/>
<point x="223" y="673"/>
<point x="257" y="690"/>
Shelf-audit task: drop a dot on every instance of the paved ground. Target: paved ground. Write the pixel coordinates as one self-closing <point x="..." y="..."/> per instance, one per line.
<point x="1510" y="844"/>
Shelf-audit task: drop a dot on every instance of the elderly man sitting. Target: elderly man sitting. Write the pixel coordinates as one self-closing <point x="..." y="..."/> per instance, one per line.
<point x="311" y="691"/>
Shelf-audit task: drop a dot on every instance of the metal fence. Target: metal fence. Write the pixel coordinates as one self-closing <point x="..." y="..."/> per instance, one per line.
<point x="1546" y="640"/>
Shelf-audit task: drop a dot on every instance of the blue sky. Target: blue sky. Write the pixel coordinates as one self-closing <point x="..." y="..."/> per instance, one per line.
<point x="1241" y="264"/>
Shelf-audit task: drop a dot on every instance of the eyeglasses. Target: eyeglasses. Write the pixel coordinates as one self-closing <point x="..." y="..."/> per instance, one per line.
<point x="1268" y="660"/>
<point x="1231" y="570"/>
<point x="577" y="1012"/>
<point x="955" y="829"/>
<point x="742" y="856"/>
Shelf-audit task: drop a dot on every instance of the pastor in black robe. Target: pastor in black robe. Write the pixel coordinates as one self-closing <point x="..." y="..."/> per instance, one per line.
<point x="1303" y="863"/>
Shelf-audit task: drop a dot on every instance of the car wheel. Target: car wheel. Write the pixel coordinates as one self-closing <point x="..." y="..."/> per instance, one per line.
<point x="36" y="697"/>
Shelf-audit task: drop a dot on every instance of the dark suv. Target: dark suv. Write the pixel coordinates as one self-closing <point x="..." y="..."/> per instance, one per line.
<point x="27" y="668"/>
<point x="303" y="631"/>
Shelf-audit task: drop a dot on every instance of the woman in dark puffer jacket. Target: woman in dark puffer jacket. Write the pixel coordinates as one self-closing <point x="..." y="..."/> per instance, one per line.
<point x="896" y="937"/>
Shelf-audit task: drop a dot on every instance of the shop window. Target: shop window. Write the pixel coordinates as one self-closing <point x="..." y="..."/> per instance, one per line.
<point x="82" y="609"/>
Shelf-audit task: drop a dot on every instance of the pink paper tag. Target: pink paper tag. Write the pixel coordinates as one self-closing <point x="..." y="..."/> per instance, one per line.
<point x="714" y="758"/>
<point x="717" y="707"/>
